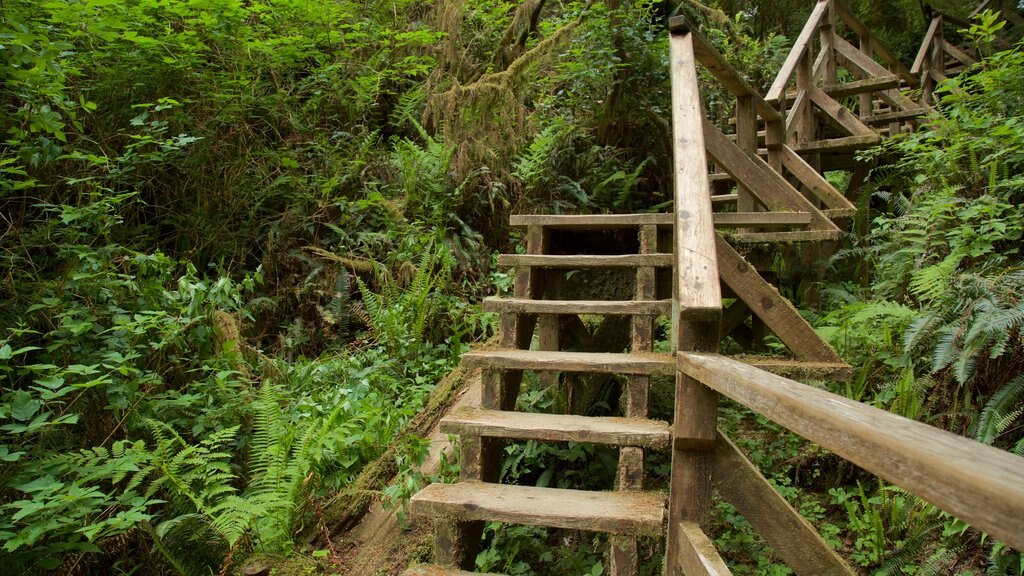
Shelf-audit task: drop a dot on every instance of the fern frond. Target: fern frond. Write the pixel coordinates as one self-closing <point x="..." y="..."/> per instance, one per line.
<point x="1000" y="411"/>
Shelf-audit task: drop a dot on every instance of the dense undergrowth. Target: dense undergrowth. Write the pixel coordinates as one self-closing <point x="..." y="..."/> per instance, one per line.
<point x="243" y="241"/>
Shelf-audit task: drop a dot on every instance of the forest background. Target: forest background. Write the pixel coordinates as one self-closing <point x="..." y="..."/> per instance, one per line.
<point x="243" y="240"/>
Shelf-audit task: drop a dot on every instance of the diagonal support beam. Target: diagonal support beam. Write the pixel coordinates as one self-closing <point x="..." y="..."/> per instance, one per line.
<point x="774" y="310"/>
<point x="741" y="484"/>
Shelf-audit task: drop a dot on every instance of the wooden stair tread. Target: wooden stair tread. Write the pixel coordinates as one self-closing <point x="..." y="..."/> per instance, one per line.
<point x="590" y="221"/>
<point x="632" y="513"/>
<point x="557" y="427"/>
<point x="796" y="236"/>
<point x="586" y="260"/>
<point x="612" y="221"/>
<point x="609" y="307"/>
<point x="432" y="570"/>
<point x="845" y="144"/>
<point x="603" y="362"/>
<point x="799" y="369"/>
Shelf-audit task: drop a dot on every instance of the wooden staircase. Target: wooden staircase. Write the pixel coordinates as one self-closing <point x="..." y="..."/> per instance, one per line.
<point x="758" y="181"/>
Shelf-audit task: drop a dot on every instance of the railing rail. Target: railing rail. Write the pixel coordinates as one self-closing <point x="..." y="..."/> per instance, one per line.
<point x="979" y="484"/>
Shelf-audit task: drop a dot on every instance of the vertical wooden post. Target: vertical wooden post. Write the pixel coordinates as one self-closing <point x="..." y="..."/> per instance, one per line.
<point x="624" y="557"/>
<point x="697" y="305"/>
<point x="826" y="33"/>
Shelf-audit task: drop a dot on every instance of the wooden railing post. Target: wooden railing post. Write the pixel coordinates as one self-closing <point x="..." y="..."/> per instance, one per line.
<point x="698" y="305"/>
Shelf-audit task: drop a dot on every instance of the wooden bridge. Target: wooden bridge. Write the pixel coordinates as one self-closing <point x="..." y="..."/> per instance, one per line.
<point x="744" y="193"/>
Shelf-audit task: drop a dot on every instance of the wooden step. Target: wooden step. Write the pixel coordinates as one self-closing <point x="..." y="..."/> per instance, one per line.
<point x="431" y="570"/>
<point x="845" y="144"/>
<point x="724" y="198"/>
<point x="586" y="261"/>
<point x="612" y="221"/>
<point x="590" y="221"/>
<point x="761" y="219"/>
<point x="785" y="237"/>
<point x="604" y="363"/>
<point x="557" y="428"/>
<point x="799" y="369"/>
<point x="840" y="213"/>
<point x="604" y="307"/>
<point x="632" y="513"/>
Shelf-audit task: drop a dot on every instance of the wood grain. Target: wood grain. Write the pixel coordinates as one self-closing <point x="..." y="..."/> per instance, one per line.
<point x="557" y="427"/>
<point x="741" y="484"/>
<point x="979" y="484"/>
<point x="696" y="266"/>
<point x="698" y="554"/>
<point x="634" y="513"/>
<point x="605" y="363"/>
<point x="800" y="46"/>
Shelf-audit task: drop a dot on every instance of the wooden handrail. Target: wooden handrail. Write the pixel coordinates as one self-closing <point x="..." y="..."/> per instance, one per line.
<point x="979" y="484"/>
<point x="697" y="288"/>
<point x="803" y="42"/>
<point x="926" y="45"/>
<point x="720" y="68"/>
<point x="851" y="20"/>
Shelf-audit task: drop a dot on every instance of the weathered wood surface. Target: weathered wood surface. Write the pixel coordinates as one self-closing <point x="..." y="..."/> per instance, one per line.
<point x="607" y="307"/>
<point x="558" y="427"/>
<point x="979" y="484"/>
<point x="800" y="47"/>
<point x="785" y="237"/>
<point x="605" y="363"/>
<point x="840" y="114"/>
<point x="696" y="283"/>
<point x="761" y="219"/>
<point x="926" y="45"/>
<point x="814" y="181"/>
<point x="845" y="144"/>
<point x="698" y="556"/>
<point x="719" y="67"/>
<point x="799" y="369"/>
<point x="861" y="86"/>
<point x="585" y="261"/>
<point x="792" y="537"/>
<point x="877" y="47"/>
<point x="590" y="221"/>
<point x="619" y="221"/>
<point x="724" y="198"/>
<point x="777" y="312"/>
<point x="634" y="513"/>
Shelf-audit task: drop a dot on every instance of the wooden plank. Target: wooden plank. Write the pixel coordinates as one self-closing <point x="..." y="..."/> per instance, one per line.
<point x="839" y="113"/>
<point x="955" y="51"/>
<point x="724" y="198"/>
<point x="771" y="188"/>
<point x="792" y="537"/>
<point x="863" y="66"/>
<point x="845" y="144"/>
<point x="698" y="554"/>
<point x="981" y="485"/>
<point x="602" y="307"/>
<point x="611" y="431"/>
<point x="862" y="86"/>
<point x="585" y="261"/>
<point x="799" y="369"/>
<point x="720" y="68"/>
<point x="696" y="283"/>
<point x="877" y="46"/>
<point x="785" y="237"/>
<point x="901" y="115"/>
<point x="634" y="513"/>
<point x="590" y="221"/>
<point x="800" y="46"/>
<point x="926" y="45"/>
<point x="761" y="219"/>
<point x="813" y="180"/>
<point x="766" y="302"/>
<point x="600" y="362"/>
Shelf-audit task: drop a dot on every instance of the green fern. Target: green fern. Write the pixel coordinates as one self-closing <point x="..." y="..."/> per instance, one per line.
<point x="1004" y="408"/>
